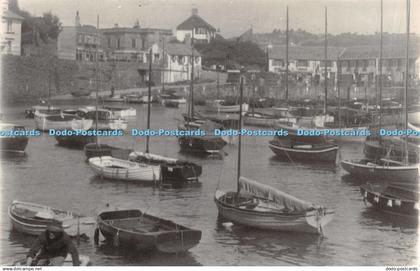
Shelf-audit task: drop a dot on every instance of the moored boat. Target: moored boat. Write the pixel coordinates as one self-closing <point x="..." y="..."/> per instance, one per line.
<point x="302" y="148"/>
<point x="221" y="106"/>
<point x="62" y="122"/>
<point x="81" y="93"/>
<point x="42" y="109"/>
<point x="392" y="198"/>
<point x="74" y="141"/>
<point x="264" y="207"/>
<point x="121" y="111"/>
<point x="106" y="120"/>
<point x="173" y="170"/>
<point x="12" y="143"/>
<point x="258" y="119"/>
<point x="114" y="99"/>
<point x="381" y="170"/>
<point x="33" y="219"/>
<point x="137" y="230"/>
<point x="119" y="169"/>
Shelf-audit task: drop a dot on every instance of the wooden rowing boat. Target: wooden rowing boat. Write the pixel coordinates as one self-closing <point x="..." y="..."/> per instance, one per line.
<point x="119" y="169"/>
<point x="393" y="198"/>
<point x="33" y="219"/>
<point x="137" y="230"/>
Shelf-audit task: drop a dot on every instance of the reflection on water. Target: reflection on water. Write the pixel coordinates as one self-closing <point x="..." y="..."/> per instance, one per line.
<point x="61" y="178"/>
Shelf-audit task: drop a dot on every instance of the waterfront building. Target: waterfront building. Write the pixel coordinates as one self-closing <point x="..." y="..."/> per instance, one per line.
<point x="79" y="42"/>
<point x="11" y="32"/>
<point x="203" y="31"/>
<point x="131" y="43"/>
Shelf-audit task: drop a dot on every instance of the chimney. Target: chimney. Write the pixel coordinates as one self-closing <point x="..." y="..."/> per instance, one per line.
<point x="77" y="19"/>
<point x="115" y="25"/>
<point x="194" y="11"/>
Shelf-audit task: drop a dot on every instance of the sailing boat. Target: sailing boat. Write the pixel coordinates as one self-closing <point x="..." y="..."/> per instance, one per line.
<point x="261" y="206"/>
<point x="377" y="147"/>
<point x="172" y="169"/>
<point x="387" y="169"/>
<point x="295" y="147"/>
<point x="208" y="143"/>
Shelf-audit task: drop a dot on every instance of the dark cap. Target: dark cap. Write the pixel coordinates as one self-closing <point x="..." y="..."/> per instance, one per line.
<point x="55" y="227"/>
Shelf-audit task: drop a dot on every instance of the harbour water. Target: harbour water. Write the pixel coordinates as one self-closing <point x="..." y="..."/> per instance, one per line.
<point x="60" y="177"/>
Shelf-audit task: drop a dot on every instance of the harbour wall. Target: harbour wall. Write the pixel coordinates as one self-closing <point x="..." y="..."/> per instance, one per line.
<point x="29" y="78"/>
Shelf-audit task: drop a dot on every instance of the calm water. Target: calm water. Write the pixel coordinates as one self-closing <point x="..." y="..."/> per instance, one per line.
<point x="59" y="177"/>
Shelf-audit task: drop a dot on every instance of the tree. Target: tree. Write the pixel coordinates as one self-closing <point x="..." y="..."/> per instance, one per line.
<point x="53" y="25"/>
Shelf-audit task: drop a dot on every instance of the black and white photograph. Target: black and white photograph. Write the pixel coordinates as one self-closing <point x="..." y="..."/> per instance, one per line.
<point x="210" y="133"/>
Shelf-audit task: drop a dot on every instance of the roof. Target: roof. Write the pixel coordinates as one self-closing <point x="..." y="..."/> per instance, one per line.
<point x="305" y="53"/>
<point x="135" y="30"/>
<point x="180" y="49"/>
<point x="11" y="15"/>
<point x="372" y="52"/>
<point x="195" y="21"/>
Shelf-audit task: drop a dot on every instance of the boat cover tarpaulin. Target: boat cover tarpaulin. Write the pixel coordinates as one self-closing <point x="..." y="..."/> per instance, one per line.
<point x="275" y="195"/>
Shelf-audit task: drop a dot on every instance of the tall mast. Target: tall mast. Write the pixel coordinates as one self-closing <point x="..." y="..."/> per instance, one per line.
<point x="240" y="128"/>
<point x="49" y="89"/>
<point x="97" y="78"/>
<point x="407" y="75"/>
<point x="380" y="70"/>
<point x="287" y="53"/>
<point x="149" y="93"/>
<point x="191" y="113"/>
<point x="325" y="65"/>
<point x="339" y="90"/>
<point x="163" y="64"/>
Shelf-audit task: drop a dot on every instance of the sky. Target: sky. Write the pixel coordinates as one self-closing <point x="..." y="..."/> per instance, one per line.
<point x="234" y="17"/>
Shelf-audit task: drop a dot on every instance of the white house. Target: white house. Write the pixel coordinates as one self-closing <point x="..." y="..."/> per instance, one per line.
<point x="176" y="64"/>
<point x="203" y="31"/>
<point x="11" y="33"/>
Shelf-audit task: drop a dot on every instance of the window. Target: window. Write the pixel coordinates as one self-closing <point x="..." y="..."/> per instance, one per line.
<point x="9" y="46"/>
<point x="80" y="38"/>
<point x="109" y="42"/>
<point x="348" y="65"/>
<point x="365" y="65"/>
<point x="302" y="63"/>
<point x="278" y="62"/>
<point x="200" y="30"/>
<point x="329" y="63"/>
<point x="9" y="26"/>
<point x="133" y="43"/>
<point x="118" y="43"/>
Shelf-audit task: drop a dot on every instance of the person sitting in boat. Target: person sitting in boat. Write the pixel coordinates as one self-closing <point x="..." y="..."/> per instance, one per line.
<point x="52" y="247"/>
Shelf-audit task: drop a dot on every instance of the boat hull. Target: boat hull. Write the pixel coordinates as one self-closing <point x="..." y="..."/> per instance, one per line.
<point x="13" y="144"/>
<point x="304" y="222"/>
<point x="154" y="233"/>
<point x="74" y="141"/>
<point x="173" y="170"/>
<point x="201" y="144"/>
<point x="389" y="204"/>
<point x="33" y="226"/>
<point x="118" y="169"/>
<point x="379" y="172"/>
<point x="258" y="121"/>
<point x="58" y="122"/>
<point x="327" y="154"/>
